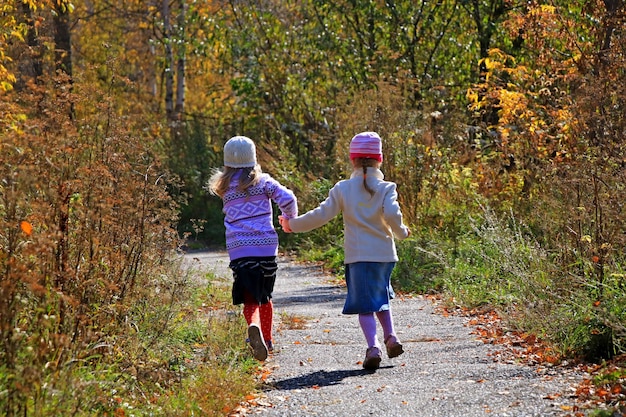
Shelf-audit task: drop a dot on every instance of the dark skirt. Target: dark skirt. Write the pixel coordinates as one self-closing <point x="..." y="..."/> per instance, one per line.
<point x="255" y="276"/>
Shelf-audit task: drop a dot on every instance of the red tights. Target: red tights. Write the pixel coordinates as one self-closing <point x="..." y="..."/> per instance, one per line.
<point x="260" y="314"/>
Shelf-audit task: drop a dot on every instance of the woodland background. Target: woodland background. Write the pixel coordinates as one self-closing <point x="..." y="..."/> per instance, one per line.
<point x="503" y="124"/>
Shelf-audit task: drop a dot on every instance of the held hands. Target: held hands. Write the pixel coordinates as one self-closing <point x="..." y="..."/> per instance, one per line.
<point x="284" y="223"/>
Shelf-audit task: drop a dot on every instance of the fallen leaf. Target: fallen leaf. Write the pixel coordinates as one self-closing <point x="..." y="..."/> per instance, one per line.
<point x="26" y="227"/>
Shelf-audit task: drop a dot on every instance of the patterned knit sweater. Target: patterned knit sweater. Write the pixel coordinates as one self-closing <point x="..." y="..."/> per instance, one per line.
<point x="249" y="220"/>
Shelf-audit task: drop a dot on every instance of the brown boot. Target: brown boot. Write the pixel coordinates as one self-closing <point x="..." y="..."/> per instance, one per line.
<point x="394" y="348"/>
<point x="372" y="358"/>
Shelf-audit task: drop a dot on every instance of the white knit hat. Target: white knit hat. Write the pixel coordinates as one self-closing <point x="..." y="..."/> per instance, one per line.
<point x="239" y="152"/>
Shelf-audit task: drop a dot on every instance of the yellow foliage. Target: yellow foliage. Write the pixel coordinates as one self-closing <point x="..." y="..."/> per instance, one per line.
<point x="513" y="104"/>
<point x="541" y="10"/>
<point x="5" y="86"/>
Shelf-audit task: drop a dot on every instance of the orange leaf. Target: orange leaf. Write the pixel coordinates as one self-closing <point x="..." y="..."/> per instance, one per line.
<point x="26" y="227"/>
<point x="596" y="303"/>
<point x="602" y="392"/>
<point x="595" y="259"/>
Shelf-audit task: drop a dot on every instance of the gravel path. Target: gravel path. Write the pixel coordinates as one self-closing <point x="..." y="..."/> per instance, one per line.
<point x="445" y="370"/>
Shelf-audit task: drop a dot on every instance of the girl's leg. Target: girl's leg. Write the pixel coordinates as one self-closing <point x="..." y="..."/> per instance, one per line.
<point x="393" y="346"/>
<point x="251" y="310"/>
<point x="372" y="354"/>
<point x="386" y="321"/>
<point x="267" y="315"/>
<point x="368" y="325"/>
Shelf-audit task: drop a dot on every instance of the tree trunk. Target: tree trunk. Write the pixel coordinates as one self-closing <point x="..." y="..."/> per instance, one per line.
<point x="63" y="47"/>
<point x="62" y="38"/>
<point x="180" y="64"/>
<point x="169" y="60"/>
<point x="31" y="66"/>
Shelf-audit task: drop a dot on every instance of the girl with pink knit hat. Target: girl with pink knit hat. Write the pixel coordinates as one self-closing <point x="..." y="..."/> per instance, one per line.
<point x="372" y="219"/>
<point x="251" y="240"/>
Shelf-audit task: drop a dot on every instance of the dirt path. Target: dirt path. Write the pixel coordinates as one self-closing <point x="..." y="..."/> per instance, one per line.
<point x="445" y="370"/>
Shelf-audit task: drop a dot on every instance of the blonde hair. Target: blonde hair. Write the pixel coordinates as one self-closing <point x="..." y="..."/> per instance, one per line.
<point x="366" y="163"/>
<point x="221" y="180"/>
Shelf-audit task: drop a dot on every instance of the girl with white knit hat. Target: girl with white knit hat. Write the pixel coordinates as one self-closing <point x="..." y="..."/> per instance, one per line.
<point x="372" y="219"/>
<point x="251" y="240"/>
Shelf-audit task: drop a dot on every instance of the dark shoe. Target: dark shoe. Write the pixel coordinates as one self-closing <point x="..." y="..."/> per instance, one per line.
<point x="394" y="348"/>
<point x="372" y="358"/>
<point x="259" y="349"/>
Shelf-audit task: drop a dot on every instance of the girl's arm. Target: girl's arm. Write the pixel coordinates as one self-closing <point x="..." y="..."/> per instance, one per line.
<point x="393" y="214"/>
<point x="319" y="216"/>
<point x="283" y="197"/>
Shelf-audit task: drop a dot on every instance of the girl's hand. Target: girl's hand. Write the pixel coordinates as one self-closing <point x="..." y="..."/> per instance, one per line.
<point x="284" y="223"/>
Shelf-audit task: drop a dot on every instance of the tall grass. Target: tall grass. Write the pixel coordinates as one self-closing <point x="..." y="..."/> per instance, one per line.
<point x="500" y="263"/>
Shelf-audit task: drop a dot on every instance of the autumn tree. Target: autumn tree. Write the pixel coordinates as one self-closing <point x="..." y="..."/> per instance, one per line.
<point x="556" y="145"/>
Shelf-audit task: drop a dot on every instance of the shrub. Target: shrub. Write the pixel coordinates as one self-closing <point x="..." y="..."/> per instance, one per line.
<point x="85" y="229"/>
<point x="501" y="264"/>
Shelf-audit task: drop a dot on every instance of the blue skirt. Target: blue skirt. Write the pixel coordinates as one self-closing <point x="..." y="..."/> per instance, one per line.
<point x="369" y="287"/>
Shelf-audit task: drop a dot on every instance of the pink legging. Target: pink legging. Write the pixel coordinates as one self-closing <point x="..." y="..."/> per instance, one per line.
<point x="368" y="325"/>
<point x="260" y="314"/>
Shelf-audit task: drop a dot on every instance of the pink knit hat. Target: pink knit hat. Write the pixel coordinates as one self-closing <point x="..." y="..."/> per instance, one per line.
<point x="366" y="145"/>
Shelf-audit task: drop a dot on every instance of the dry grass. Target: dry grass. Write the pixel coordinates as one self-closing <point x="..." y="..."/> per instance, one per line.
<point x="293" y="321"/>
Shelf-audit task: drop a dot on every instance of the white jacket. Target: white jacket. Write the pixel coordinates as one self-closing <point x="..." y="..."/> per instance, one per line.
<point x="370" y="222"/>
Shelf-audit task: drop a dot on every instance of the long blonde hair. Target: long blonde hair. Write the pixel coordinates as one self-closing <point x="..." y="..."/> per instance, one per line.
<point x="366" y="163"/>
<point x="221" y="179"/>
